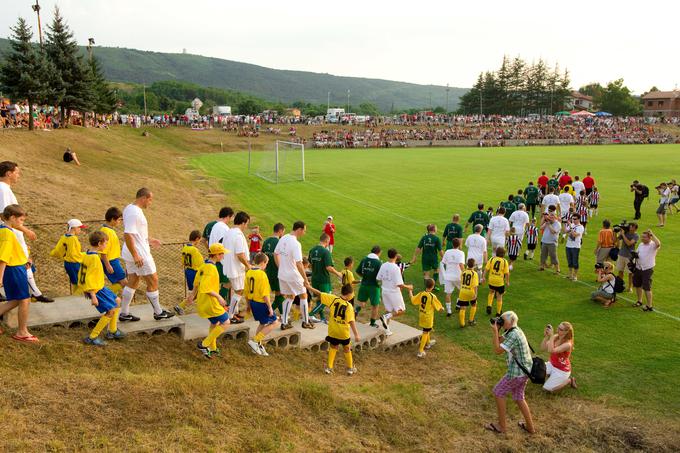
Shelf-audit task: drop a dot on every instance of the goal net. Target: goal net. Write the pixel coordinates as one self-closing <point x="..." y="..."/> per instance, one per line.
<point x="284" y="162"/>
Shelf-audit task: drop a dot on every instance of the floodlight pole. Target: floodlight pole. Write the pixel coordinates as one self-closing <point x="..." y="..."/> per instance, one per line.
<point x="36" y="8"/>
<point x="347" y="100"/>
<point x="447" y="98"/>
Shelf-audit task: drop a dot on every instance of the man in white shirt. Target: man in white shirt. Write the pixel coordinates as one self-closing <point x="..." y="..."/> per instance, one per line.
<point x="578" y="186"/>
<point x="9" y="175"/>
<point x="498" y="230"/>
<point x="665" y="193"/>
<point x="477" y="250"/>
<point x="292" y="277"/>
<point x="451" y="268"/>
<point x="236" y="263"/>
<point x="138" y="260"/>
<point x="566" y="203"/>
<point x="391" y="283"/>
<point x="644" y="268"/>
<point x="574" y="232"/>
<point x="519" y="220"/>
<point x="218" y="232"/>
<point x="550" y="200"/>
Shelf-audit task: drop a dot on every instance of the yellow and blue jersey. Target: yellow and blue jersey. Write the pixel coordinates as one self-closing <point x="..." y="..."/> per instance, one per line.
<point x="112" y="249"/>
<point x="68" y="249"/>
<point x="191" y="257"/>
<point x="11" y="251"/>
<point x="208" y="281"/>
<point x="91" y="274"/>
<point x="257" y="285"/>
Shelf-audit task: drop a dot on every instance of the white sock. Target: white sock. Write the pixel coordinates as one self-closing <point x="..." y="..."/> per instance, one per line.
<point x="32" y="286"/>
<point x="233" y="304"/>
<point x="448" y="308"/>
<point x="153" y="300"/>
<point x="287" y="304"/>
<point x="304" y="309"/>
<point x="387" y="316"/>
<point x="126" y="299"/>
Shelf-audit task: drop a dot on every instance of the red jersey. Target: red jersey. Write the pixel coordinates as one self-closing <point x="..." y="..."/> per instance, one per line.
<point x="542" y="181"/>
<point x="564" y="180"/>
<point x="255" y="242"/>
<point x="561" y="361"/>
<point x="329" y="229"/>
<point x="588" y="182"/>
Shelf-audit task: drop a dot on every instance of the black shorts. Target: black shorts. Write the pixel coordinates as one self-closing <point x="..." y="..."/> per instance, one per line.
<point x="512" y="257"/>
<point x="497" y="289"/>
<point x="643" y="279"/>
<point x="464" y="303"/>
<point x="336" y="342"/>
<point x="427" y="329"/>
<point x="531" y="246"/>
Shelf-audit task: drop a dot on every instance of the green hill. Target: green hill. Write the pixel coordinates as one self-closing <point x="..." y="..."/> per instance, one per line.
<point x="130" y="65"/>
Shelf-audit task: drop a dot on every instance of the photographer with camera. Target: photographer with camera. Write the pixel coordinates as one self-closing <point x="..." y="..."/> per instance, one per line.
<point x="627" y="239"/>
<point x="574" y="231"/>
<point x="675" y="196"/>
<point x="550" y="227"/>
<point x="641" y="192"/>
<point x="665" y="198"/>
<point x="559" y="346"/>
<point x="515" y="345"/>
<point x="605" y="242"/>
<point x="607" y="280"/>
<point x="644" y="268"/>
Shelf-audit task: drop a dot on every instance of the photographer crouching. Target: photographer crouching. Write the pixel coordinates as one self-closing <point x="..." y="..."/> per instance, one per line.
<point x="605" y="277"/>
<point x="645" y="260"/>
<point x="515" y="344"/>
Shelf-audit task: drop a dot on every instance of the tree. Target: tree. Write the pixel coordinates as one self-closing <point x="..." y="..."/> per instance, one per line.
<point x="367" y="108"/>
<point x="25" y="73"/>
<point x="104" y="98"/>
<point x="249" y="107"/>
<point x="617" y="99"/>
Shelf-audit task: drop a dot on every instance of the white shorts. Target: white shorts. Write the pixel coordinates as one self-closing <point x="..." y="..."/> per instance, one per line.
<point x="495" y="245"/>
<point x="238" y="282"/>
<point x="294" y="288"/>
<point x="393" y="302"/>
<point x="148" y="268"/>
<point x="556" y="378"/>
<point x="450" y="285"/>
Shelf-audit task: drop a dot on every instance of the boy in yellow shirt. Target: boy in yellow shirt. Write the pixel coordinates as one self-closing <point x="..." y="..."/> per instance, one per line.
<point x="68" y="249"/>
<point x="209" y="303"/>
<point x="427" y="303"/>
<point x="497" y="273"/>
<point x="91" y="281"/>
<point x="467" y="296"/>
<point x="192" y="260"/>
<point x="110" y="255"/>
<point x="348" y="278"/>
<point x="258" y="294"/>
<point x="340" y="321"/>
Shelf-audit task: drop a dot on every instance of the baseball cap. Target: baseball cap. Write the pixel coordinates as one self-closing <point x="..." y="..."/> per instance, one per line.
<point x="217" y="248"/>
<point x="75" y="223"/>
<point x="330" y="217"/>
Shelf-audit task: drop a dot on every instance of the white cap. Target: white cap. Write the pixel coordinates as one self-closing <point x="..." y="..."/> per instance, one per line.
<point x="75" y="223"/>
<point x="330" y="217"/>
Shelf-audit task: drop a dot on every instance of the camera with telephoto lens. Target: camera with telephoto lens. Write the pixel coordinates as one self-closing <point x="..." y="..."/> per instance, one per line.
<point x="498" y="321"/>
<point x="599" y="266"/>
<point x="623" y="226"/>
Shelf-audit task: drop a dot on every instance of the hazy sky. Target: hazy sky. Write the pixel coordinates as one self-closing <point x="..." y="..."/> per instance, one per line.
<point x="436" y="42"/>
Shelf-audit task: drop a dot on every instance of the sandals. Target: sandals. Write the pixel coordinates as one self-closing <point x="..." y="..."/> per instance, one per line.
<point x="637" y="304"/>
<point x="493" y="428"/>
<point x="647" y="308"/>
<point x="26" y="339"/>
<point x="572" y="383"/>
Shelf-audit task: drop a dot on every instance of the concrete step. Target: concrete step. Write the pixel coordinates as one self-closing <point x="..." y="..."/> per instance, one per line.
<point x="69" y="311"/>
<point x="371" y="337"/>
<point x="283" y="339"/>
<point x="196" y="327"/>
<point x="402" y="335"/>
<point x="149" y="326"/>
<point x="312" y="339"/>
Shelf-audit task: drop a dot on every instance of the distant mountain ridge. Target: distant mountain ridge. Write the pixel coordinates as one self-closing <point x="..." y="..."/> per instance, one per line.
<point x="130" y="65"/>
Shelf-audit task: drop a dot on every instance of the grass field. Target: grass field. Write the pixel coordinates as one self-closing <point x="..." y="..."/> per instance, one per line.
<point x="386" y="197"/>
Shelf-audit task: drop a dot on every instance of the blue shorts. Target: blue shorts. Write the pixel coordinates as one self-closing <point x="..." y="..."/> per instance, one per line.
<point x="118" y="273"/>
<point x="261" y="313"/>
<point x="190" y="275"/>
<point x="106" y="299"/>
<point x="72" y="271"/>
<point x="15" y="281"/>
<point x="224" y="317"/>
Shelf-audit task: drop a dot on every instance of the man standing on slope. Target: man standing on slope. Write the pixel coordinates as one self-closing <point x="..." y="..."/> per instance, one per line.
<point x="272" y="270"/>
<point x="216" y="235"/>
<point x="236" y="263"/>
<point x="137" y="256"/>
<point x="292" y="277"/>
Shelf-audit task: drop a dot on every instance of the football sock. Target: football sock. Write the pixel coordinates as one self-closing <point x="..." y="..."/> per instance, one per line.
<point x="435" y="276"/>
<point x="287" y="304"/>
<point x="372" y="321"/>
<point x="461" y="317"/>
<point x="317" y="309"/>
<point x="489" y="299"/>
<point x="424" y="338"/>
<point x="113" y="324"/>
<point x="499" y="305"/>
<point x="473" y="312"/>
<point x="278" y="303"/>
<point x="357" y="309"/>
<point x="116" y="288"/>
<point x="233" y="304"/>
<point x="103" y="322"/>
<point x="448" y="308"/>
<point x="153" y="299"/>
<point x="348" y="359"/>
<point x="32" y="286"/>
<point x="183" y="304"/>
<point x="331" y="357"/>
<point x="387" y="316"/>
<point x="304" y="307"/>
<point x="259" y="337"/>
<point x="211" y="340"/>
<point x="126" y="299"/>
<point x="321" y="307"/>
<point x="224" y="292"/>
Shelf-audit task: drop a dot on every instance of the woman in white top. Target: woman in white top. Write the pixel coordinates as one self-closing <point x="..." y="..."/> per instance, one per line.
<point x="607" y="279"/>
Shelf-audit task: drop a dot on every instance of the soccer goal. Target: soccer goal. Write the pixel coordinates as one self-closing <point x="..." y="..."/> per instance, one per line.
<point x="285" y="162"/>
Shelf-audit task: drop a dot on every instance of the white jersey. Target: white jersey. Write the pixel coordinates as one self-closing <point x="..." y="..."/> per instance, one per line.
<point x="218" y="233"/>
<point x="498" y="225"/>
<point x="566" y="201"/>
<point x="235" y="242"/>
<point x="452" y="260"/>
<point x="6" y="196"/>
<point x="289" y="250"/>
<point x="574" y="243"/>
<point x="578" y="187"/>
<point x="519" y="220"/>
<point x="390" y="278"/>
<point x="135" y="224"/>
<point x="476" y="245"/>
<point x="550" y="200"/>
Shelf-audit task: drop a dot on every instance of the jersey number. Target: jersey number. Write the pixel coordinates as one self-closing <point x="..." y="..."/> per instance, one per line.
<point x="251" y="285"/>
<point x="423" y="302"/>
<point x="83" y="271"/>
<point x="496" y="266"/>
<point x="187" y="260"/>
<point x="467" y="279"/>
<point x="339" y="311"/>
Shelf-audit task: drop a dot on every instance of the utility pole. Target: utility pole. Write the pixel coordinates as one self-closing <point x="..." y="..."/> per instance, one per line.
<point x="348" y="100"/>
<point x="329" y="102"/>
<point x="36" y="8"/>
<point x="90" y="43"/>
<point x="447" y="98"/>
<point x="144" y="88"/>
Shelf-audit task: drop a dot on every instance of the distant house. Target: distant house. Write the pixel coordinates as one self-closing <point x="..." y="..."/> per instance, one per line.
<point x="294" y="112"/>
<point x="579" y="101"/>
<point x="662" y="103"/>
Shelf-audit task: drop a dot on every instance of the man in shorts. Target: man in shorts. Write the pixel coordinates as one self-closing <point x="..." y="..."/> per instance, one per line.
<point x="216" y="235"/>
<point x="431" y="248"/>
<point x="477" y="250"/>
<point x="499" y="227"/>
<point x="236" y="264"/>
<point x="272" y="270"/>
<point x="453" y="265"/>
<point x="292" y="276"/>
<point x="392" y="283"/>
<point x="369" y="290"/>
<point x="479" y="217"/>
<point x="139" y="262"/>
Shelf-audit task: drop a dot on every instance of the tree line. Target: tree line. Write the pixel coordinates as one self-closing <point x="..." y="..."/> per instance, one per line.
<point x="55" y="73"/>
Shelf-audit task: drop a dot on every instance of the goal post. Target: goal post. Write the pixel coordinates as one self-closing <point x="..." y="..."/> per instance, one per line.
<point x="285" y="162"/>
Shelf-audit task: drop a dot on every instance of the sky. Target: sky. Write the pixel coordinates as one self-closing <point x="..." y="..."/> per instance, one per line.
<point x="427" y="42"/>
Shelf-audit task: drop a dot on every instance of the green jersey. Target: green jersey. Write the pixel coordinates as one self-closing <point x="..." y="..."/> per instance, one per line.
<point x="479" y="218"/>
<point x="553" y="183"/>
<point x="452" y="231"/>
<point x="320" y="258"/>
<point x="510" y="207"/>
<point x="207" y="229"/>
<point x="368" y="270"/>
<point x="519" y="200"/>
<point x="531" y="192"/>
<point x="268" y="247"/>
<point x="431" y="246"/>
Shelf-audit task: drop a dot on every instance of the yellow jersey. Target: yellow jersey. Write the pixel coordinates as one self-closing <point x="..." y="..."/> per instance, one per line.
<point x="348" y="277"/>
<point x="91" y="273"/>
<point x="257" y="285"/>
<point x="498" y="268"/>
<point x="469" y="281"/>
<point x="427" y="303"/>
<point x="68" y="249"/>
<point x="191" y="257"/>
<point x="112" y="249"/>
<point x="341" y="315"/>
<point x="11" y="252"/>
<point x="208" y="280"/>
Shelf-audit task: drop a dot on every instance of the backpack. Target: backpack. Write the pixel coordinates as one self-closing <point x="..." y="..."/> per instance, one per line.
<point x="538" y="370"/>
<point x="619" y="285"/>
<point x="645" y="192"/>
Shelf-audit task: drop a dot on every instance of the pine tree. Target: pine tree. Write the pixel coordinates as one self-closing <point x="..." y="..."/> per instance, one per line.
<point x="104" y="97"/>
<point x="25" y="73"/>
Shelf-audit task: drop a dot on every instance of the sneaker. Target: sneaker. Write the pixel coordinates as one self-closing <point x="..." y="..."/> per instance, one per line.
<point x="388" y="332"/>
<point x="351" y="371"/>
<point x="44" y="299"/>
<point x="216" y="352"/>
<point x="127" y="318"/>
<point x="314" y="319"/>
<point x="307" y="325"/>
<point x="472" y="322"/>
<point x="421" y="355"/>
<point x="205" y="351"/>
<point x="325" y="321"/>
<point x="263" y="351"/>
<point x="235" y="320"/>
<point x="163" y="315"/>
<point x="179" y="310"/>
<point x="383" y="321"/>
<point x="328" y="370"/>
<point x="286" y="326"/>
<point x="510" y="267"/>
<point x="430" y="344"/>
<point x="375" y="326"/>
<point x="94" y="342"/>
<point x="575" y="279"/>
<point x="488" y="310"/>
<point x="117" y="335"/>
<point x="254" y="346"/>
